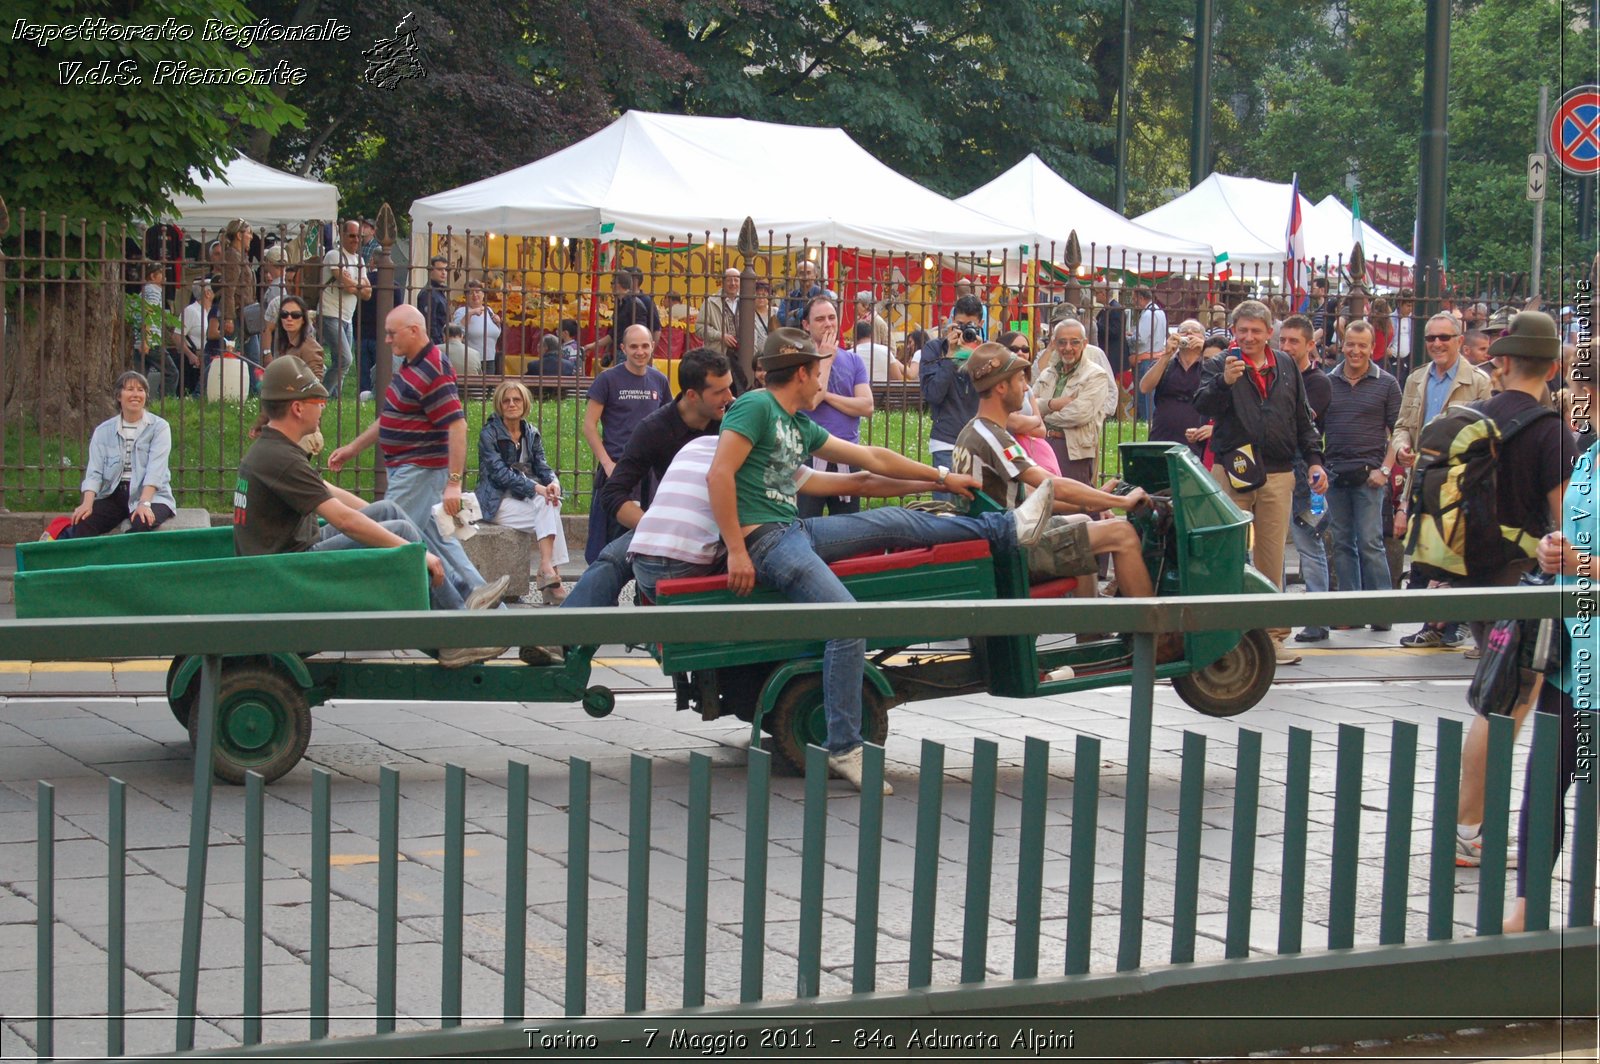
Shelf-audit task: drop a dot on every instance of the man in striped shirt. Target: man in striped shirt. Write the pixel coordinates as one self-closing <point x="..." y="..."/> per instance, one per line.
<point x="421" y="431"/>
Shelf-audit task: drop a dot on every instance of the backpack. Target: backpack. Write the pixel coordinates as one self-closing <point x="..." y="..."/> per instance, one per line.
<point x="1456" y="524"/>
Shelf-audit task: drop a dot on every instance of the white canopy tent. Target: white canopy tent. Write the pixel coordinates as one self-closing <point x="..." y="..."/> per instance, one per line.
<point x="656" y="176"/>
<point x="1247" y="219"/>
<point x="257" y="193"/>
<point x="1033" y="197"/>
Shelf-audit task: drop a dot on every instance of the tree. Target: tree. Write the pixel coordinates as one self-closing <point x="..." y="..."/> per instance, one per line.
<point x="83" y="138"/>
<point x="99" y="134"/>
<point x="1356" y="110"/>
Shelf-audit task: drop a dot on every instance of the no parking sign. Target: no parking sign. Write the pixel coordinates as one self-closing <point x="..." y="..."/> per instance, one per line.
<point x="1574" y="132"/>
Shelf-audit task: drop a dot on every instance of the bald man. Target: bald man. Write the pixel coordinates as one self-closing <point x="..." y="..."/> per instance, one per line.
<point x="619" y="399"/>
<point x="421" y="432"/>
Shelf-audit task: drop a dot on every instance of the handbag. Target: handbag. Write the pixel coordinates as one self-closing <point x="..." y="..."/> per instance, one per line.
<point x="1244" y="472"/>
<point x="1498" y="679"/>
<point x="254" y="320"/>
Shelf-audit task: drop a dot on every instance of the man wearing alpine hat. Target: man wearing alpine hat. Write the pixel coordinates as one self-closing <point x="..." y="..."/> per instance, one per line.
<point x="279" y="496"/>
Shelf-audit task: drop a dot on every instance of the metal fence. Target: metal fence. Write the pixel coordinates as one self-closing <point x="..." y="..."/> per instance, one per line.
<point x="75" y="314"/>
<point x="1310" y="864"/>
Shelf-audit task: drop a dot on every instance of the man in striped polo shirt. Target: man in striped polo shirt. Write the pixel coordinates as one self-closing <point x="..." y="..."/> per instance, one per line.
<point x="421" y="431"/>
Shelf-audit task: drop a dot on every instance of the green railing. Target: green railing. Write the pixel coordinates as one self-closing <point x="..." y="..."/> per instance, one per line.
<point x="1543" y="972"/>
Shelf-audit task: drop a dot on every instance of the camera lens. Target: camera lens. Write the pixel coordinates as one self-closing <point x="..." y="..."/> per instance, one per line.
<point x="969" y="333"/>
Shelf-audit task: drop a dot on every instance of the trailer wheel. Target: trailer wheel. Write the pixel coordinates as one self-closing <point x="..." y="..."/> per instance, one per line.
<point x="1234" y="682"/>
<point x="263" y="723"/>
<point x="599" y="701"/>
<point x="182" y="706"/>
<point x="798" y="719"/>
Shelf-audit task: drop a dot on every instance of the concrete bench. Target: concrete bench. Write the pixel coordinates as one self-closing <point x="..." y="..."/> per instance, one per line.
<point x="182" y="518"/>
<point x="499" y="551"/>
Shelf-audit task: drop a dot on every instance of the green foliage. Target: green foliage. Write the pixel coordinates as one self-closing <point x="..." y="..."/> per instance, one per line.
<point x="115" y="152"/>
<point x="1356" y="109"/>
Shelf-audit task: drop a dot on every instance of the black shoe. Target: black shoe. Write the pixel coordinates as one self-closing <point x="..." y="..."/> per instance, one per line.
<point x="1311" y="635"/>
<point x="1381" y="627"/>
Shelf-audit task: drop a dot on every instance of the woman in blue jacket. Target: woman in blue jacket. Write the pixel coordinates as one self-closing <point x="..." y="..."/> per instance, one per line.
<point x="516" y="486"/>
<point x="128" y="477"/>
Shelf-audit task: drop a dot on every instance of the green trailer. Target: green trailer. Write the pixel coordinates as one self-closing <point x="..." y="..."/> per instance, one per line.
<point x="264" y="702"/>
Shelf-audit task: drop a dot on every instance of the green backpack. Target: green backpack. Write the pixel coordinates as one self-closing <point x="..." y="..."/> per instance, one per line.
<point x="1454" y="502"/>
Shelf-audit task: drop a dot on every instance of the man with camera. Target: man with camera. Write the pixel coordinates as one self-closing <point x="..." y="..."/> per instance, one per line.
<point x="948" y="393"/>
<point x="1261" y="420"/>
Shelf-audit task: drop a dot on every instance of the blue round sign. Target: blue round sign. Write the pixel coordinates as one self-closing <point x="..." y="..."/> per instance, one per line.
<point x="1574" y="132"/>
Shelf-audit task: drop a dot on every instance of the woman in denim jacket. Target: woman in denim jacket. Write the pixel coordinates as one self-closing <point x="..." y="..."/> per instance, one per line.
<point x="516" y="486"/>
<point x="127" y="478"/>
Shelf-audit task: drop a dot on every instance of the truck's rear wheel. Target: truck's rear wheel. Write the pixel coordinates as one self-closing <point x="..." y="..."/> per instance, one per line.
<point x="799" y="719"/>
<point x="1234" y="682"/>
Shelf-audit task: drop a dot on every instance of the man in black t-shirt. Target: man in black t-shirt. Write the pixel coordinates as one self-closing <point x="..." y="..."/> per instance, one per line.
<point x="1535" y="466"/>
<point x="279" y="496"/>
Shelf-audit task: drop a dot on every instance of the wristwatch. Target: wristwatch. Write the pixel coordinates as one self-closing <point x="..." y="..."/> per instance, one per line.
<point x="455" y="478"/>
<point x="1385" y="470"/>
<point x="943" y="473"/>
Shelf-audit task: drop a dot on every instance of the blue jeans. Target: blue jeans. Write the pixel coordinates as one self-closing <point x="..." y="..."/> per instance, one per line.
<point x="1355" y="517"/>
<point x="650" y="569"/>
<point x="389" y="515"/>
<point x="416" y="489"/>
<point x="602" y="582"/>
<point x="369" y="361"/>
<point x="941" y="459"/>
<point x="337" y="341"/>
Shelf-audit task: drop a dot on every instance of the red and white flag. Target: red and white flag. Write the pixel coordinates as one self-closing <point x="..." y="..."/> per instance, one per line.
<point x="1298" y="272"/>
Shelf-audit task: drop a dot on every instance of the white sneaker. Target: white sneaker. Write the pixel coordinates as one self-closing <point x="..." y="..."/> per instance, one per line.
<point x="365" y="397"/>
<point x="1034" y="514"/>
<point x="457" y="657"/>
<point x="487" y="596"/>
<point x="849" y="766"/>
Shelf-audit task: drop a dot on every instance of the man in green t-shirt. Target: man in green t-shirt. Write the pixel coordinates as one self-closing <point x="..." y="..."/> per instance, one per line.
<point x="765" y="439"/>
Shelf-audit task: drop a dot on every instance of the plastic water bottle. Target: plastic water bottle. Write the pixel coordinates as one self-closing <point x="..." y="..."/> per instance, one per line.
<point x="1319" y="503"/>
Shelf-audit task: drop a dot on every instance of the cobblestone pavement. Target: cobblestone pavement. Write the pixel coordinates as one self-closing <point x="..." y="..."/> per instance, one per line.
<point x="75" y="724"/>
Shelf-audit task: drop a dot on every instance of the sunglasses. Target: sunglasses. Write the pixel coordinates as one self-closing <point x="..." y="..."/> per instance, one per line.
<point x="1021" y="349"/>
<point x="1439" y="338"/>
<point x="294" y="314"/>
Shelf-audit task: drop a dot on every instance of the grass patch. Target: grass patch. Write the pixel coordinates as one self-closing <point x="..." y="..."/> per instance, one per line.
<point x="42" y="471"/>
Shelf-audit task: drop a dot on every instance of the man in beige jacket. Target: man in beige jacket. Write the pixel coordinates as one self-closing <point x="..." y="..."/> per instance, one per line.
<point x="1073" y="393"/>
<point x="1447" y="379"/>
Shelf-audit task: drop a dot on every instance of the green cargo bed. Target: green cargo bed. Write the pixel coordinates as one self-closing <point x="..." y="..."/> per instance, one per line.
<point x="194" y="571"/>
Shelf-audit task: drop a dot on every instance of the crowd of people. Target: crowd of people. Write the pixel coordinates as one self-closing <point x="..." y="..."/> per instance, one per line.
<point x="1309" y="418"/>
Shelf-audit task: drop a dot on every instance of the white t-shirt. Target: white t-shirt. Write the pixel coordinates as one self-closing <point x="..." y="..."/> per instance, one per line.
<point x="335" y="302"/>
<point x="194" y="326"/>
<point x="129" y="431"/>
<point x="679" y="524"/>
<point x="877" y="357"/>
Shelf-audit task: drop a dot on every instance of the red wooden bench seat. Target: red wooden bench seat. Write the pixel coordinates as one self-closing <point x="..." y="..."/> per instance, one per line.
<point x="943" y="553"/>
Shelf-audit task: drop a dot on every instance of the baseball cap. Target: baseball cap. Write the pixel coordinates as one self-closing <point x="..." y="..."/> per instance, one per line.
<point x="287" y="377"/>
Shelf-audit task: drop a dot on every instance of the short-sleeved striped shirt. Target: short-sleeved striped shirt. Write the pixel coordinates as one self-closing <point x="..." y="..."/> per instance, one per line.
<point x="418" y="409"/>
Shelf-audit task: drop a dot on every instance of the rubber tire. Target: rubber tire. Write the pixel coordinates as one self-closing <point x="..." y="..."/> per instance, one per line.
<point x="255" y="688"/>
<point x="182" y="707"/>
<point x="1234" y="682"/>
<point x="797" y="719"/>
<point x="599" y="701"/>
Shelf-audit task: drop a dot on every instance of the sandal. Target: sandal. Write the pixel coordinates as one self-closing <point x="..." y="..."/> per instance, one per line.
<point x="554" y="593"/>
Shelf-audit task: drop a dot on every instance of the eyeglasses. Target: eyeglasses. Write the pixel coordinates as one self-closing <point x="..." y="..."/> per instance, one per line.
<point x="295" y="314"/>
<point x="1439" y="338"/>
<point x="1021" y="349"/>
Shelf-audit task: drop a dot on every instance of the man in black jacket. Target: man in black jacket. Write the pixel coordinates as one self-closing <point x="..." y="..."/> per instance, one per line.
<point x="434" y="299"/>
<point x="1257" y="402"/>
<point x="705" y="379"/>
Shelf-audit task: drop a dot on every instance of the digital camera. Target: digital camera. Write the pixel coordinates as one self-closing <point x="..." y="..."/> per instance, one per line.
<point x="970" y="333"/>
